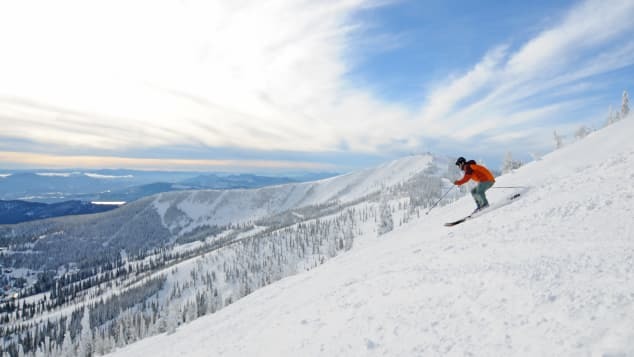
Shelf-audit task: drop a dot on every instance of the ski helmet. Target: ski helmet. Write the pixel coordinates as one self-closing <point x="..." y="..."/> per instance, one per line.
<point x="461" y="160"/>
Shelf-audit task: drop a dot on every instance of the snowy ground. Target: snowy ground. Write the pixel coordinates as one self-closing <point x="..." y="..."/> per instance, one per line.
<point x="549" y="275"/>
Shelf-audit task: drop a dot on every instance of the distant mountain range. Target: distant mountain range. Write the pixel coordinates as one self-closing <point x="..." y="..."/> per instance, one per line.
<point x="21" y="211"/>
<point x="202" y="182"/>
<point x="124" y="185"/>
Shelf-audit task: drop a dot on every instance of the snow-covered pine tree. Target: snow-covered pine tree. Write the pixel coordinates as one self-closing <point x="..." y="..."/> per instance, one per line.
<point x="386" y="222"/>
<point x="509" y="164"/>
<point x="85" y="348"/>
<point x="68" y="348"/>
<point x="613" y="116"/>
<point x="625" y="105"/>
<point x="121" y="341"/>
<point x="535" y="156"/>
<point x="582" y="132"/>
<point x="173" y="317"/>
<point x="191" y="312"/>
<point x="99" y="347"/>
<point x="559" y="140"/>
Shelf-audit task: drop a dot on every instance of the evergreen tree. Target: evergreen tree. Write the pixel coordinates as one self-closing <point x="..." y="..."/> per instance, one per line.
<point x="613" y="116"/>
<point x="625" y="105"/>
<point x="99" y="347"/>
<point x="85" y="343"/>
<point x="68" y="348"/>
<point x="582" y="132"/>
<point x="559" y="140"/>
<point x="121" y="341"/>
<point x="509" y="164"/>
<point x="173" y="317"/>
<point x="386" y="222"/>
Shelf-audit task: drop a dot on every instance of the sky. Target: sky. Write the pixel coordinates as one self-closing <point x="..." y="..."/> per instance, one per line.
<point x="284" y="85"/>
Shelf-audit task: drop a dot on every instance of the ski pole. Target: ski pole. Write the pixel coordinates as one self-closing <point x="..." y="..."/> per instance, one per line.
<point x="509" y="187"/>
<point x="437" y="202"/>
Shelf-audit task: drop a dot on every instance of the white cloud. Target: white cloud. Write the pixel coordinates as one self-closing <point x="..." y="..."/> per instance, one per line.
<point x="512" y="92"/>
<point x="444" y="99"/>
<point x="263" y="75"/>
<point x="590" y="24"/>
<point x="251" y="74"/>
<point x="54" y="174"/>
<point x="99" y="162"/>
<point x="100" y="176"/>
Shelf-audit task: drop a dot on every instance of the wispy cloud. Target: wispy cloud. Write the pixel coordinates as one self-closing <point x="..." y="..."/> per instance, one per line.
<point x="266" y="73"/>
<point x="513" y="91"/>
<point x="20" y="159"/>
<point x="269" y="75"/>
<point x="114" y="177"/>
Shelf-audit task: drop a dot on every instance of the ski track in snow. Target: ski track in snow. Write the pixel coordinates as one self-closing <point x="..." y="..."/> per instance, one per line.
<point x="549" y="275"/>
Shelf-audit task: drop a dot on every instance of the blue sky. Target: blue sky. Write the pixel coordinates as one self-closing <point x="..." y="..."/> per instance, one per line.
<point x="289" y="85"/>
<point x="434" y="39"/>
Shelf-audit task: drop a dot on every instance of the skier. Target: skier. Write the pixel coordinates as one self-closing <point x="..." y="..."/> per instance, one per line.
<point x="481" y="175"/>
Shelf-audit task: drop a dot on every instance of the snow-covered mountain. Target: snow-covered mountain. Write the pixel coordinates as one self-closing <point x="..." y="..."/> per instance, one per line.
<point x="184" y="216"/>
<point x="183" y="212"/>
<point x="551" y="274"/>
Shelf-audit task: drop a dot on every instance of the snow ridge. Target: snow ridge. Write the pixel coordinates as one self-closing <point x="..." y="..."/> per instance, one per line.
<point x="182" y="212"/>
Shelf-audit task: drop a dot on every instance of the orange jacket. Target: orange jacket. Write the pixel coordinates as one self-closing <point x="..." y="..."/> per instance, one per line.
<point x="476" y="172"/>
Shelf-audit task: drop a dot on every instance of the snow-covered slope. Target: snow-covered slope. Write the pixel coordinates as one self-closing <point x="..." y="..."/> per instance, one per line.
<point x="551" y="274"/>
<point x="182" y="212"/>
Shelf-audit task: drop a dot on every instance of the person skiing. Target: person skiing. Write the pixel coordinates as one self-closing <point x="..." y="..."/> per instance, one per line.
<point x="481" y="175"/>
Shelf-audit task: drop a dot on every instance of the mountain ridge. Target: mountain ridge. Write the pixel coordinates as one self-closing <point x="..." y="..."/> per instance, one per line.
<point x="162" y="219"/>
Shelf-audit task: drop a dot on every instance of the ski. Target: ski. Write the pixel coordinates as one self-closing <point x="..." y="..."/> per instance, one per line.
<point x="472" y="215"/>
<point x="478" y="213"/>
<point x="450" y="224"/>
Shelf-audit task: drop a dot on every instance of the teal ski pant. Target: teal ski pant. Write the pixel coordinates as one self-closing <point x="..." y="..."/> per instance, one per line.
<point x="478" y="193"/>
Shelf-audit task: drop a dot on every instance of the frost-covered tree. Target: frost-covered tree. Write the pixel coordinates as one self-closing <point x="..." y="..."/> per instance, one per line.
<point x="613" y="116"/>
<point x="173" y="317"/>
<point x="191" y="312"/>
<point x="535" y="156"/>
<point x="100" y="346"/>
<point x="582" y="132"/>
<point x="452" y="170"/>
<point x="559" y="140"/>
<point x="40" y="352"/>
<point x="509" y="164"/>
<point x="121" y="341"/>
<point x="68" y="349"/>
<point x="85" y="340"/>
<point x="386" y="222"/>
<point x="625" y="105"/>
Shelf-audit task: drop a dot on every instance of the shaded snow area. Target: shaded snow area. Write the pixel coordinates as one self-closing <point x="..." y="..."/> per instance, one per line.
<point x="551" y="274"/>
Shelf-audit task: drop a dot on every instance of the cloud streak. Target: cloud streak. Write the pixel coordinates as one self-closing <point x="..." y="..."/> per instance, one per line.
<point x="512" y="90"/>
<point x="44" y="161"/>
<point x="269" y="75"/>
